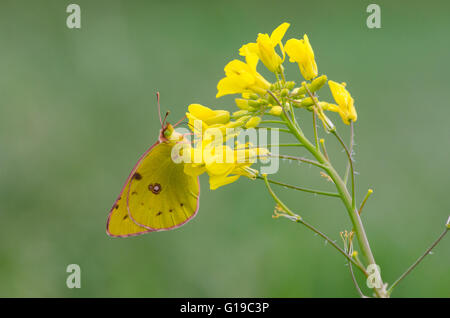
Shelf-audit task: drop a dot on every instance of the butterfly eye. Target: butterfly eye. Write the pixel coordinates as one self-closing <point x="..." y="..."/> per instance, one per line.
<point x="167" y="133"/>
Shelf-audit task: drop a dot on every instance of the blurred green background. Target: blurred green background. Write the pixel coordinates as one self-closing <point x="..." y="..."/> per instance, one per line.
<point x="77" y="108"/>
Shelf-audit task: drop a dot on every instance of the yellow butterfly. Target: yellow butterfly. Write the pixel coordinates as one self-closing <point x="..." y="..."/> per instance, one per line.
<point x="157" y="195"/>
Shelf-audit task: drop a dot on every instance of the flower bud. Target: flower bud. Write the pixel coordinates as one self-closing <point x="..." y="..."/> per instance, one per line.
<point x="240" y="113"/>
<point x="262" y="102"/>
<point x="308" y="101"/>
<point x="298" y="92"/>
<point x="290" y="85"/>
<point x="253" y="103"/>
<point x="317" y="83"/>
<point x="242" y="103"/>
<point x="253" y="122"/>
<point x="241" y="121"/>
<point x="276" y="111"/>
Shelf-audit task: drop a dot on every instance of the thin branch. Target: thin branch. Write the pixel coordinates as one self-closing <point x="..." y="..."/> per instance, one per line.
<point x="273" y="122"/>
<point x="352" y="138"/>
<point x="369" y="192"/>
<point x="301" y="159"/>
<point x="325" y="153"/>
<point x="316" y="136"/>
<point x="350" y="160"/>
<point x="330" y="194"/>
<point x="284" y="145"/>
<point x="355" y="282"/>
<point x="273" y="128"/>
<point x="298" y="219"/>
<point x="358" y="289"/>
<point x="418" y="261"/>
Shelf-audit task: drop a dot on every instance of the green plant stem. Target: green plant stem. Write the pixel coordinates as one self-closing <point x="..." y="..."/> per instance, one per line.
<point x="305" y="160"/>
<point x="358" y="289"/>
<point x="350" y="162"/>
<point x="316" y="135"/>
<point x="352" y="137"/>
<point x="272" y="128"/>
<point x="284" y="145"/>
<point x="369" y="192"/>
<point x="299" y="219"/>
<point x="355" y="282"/>
<point x="345" y="196"/>
<point x="273" y="122"/>
<point x="418" y="261"/>
<point x="322" y="142"/>
<point x="330" y="194"/>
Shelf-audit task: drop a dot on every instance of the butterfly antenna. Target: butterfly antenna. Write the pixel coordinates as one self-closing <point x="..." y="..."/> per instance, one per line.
<point x="165" y="117"/>
<point x="159" y="109"/>
<point x="179" y="121"/>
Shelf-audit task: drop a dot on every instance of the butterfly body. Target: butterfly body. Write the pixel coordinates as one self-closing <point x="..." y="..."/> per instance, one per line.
<point x="157" y="195"/>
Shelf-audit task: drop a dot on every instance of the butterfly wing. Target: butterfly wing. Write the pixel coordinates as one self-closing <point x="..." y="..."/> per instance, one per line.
<point x="157" y="196"/>
<point x="160" y="195"/>
<point x="119" y="223"/>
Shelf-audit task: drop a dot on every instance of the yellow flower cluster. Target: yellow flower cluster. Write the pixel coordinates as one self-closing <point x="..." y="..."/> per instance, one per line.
<point x="260" y="97"/>
<point x="223" y="164"/>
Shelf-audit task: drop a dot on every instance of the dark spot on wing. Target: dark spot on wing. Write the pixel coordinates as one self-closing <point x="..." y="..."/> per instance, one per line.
<point x="155" y="188"/>
<point x="116" y="207"/>
<point x="137" y="176"/>
<point x="159" y="213"/>
<point x="134" y="192"/>
<point x="125" y="217"/>
<point x="181" y="204"/>
<point x="170" y="210"/>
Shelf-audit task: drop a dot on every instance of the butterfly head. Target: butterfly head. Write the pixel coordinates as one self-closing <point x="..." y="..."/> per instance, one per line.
<point x="168" y="134"/>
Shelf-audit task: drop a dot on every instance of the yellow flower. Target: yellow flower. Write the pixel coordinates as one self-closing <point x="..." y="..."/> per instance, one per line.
<point x="345" y="103"/>
<point x="265" y="46"/>
<point x="207" y="115"/>
<point x="221" y="174"/>
<point x="223" y="164"/>
<point x="300" y="51"/>
<point x="220" y="170"/>
<point x="242" y="78"/>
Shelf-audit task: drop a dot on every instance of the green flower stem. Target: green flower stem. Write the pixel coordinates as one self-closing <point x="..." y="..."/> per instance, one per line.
<point x="284" y="145"/>
<point x="330" y="194"/>
<point x="322" y="142"/>
<point x="271" y="128"/>
<point x="298" y="219"/>
<point x="273" y="122"/>
<point x="369" y="192"/>
<point x="350" y="161"/>
<point x="312" y="162"/>
<point x="355" y="282"/>
<point x="427" y="252"/>
<point x="316" y="136"/>
<point x="345" y="196"/>
<point x="352" y="137"/>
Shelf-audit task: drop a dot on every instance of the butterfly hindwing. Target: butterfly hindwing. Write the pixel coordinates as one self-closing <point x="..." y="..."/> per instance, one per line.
<point x="119" y="222"/>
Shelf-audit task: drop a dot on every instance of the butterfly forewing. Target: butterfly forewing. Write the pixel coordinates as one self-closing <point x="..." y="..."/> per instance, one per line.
<point x="161" y="196"/>
<point x="157" y="196"/>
